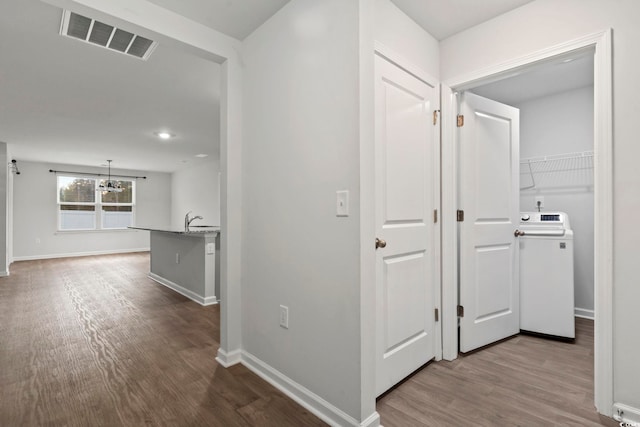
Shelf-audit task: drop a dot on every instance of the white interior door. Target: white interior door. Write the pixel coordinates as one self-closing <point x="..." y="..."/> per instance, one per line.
<point x="489" y="196"/>
<point x="405" y="147"/>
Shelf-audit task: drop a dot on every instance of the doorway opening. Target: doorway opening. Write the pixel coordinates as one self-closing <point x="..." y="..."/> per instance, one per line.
<point x="554" y="108"/>
<point x="599" y="44"/>
<point x="556" y="152"/>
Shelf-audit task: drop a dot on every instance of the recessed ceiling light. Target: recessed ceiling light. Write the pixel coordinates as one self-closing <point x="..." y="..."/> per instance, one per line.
<point x="202" y="155"/>
<point x="164" y="135"/>
<point x="568" y="60"/>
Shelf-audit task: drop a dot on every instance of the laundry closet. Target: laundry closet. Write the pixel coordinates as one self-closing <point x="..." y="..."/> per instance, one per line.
<point x="556" y="106"/>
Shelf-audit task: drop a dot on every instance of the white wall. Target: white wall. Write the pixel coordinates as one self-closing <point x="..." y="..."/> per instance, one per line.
<point x="5" y="192"/>
<point x="300" y="146"/>
<point x="196" y="189"/>
<point x="545" y="23"/>
<point x="395" y="30"/>
<point x="560" y="124"/>
<point x="35" y="214"/>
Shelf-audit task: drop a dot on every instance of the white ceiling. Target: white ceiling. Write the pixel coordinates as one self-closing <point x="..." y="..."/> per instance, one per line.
<point x="235" y="18"/>
<point x="553" y="77"/>
<point x="444" y="18"/>
<point x="64" y="101"/>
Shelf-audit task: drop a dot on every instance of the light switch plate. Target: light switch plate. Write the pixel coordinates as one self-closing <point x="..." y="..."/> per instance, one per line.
<point x="211" y="248"/>
<point x="342" y="203"/>
<point x="284" y="316"/>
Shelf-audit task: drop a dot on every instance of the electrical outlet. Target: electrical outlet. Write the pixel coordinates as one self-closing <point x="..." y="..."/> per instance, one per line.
<point x="284" y="316"/>
<point x="177" y="258"/>
<point x="37" y="241"/>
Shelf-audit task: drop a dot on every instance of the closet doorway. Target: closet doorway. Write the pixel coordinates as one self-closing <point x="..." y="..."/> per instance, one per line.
<point x="596" y="46"/>
<point x="556" y="103"/>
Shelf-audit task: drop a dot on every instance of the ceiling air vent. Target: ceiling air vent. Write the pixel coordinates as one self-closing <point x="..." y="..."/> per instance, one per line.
<point x="105" y="35"/>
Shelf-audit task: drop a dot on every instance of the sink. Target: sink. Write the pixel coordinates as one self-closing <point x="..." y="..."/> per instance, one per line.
<point x="203" y="229"/>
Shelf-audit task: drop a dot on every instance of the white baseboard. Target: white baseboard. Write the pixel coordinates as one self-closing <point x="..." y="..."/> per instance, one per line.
<point x="626" y="414"/>
<point x="229" y="359"/>
<point x="4" y="273"/>
<point x="372" y="421"/>
<point x="78" y="254"/>
<point x="210" y="301"/>
<point x="584" y="313"/>
<point x="306" y="398"/>
<point x="183" y="291"/>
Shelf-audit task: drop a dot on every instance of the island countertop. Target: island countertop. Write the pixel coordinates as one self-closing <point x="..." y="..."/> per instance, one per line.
<point x="193" y="229"/>
<point x="185" y="260"/>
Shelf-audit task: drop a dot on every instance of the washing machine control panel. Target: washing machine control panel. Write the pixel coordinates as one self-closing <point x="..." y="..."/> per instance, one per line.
<point x="545" y="219"/>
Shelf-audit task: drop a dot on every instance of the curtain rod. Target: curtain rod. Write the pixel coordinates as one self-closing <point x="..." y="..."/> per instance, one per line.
<point x="97" y="174"/>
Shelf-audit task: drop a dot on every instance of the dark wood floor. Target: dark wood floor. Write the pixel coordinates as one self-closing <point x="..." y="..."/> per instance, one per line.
<point x="93" y="342"/>
<point x="523" y="381"/>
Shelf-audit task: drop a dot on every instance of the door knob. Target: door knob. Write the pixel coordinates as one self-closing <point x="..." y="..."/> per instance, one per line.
<point x="518" y="233"/>
<point x="380" y="243"/>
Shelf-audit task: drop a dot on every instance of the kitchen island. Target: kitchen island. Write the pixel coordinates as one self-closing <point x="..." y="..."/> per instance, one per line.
<point x="185" y="261"/>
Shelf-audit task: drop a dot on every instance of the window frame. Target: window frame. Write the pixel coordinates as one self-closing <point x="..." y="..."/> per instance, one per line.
<point x="98" y="204"/>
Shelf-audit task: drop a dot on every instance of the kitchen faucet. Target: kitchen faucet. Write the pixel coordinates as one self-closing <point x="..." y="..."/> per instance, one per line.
<point x="187" y="220"/>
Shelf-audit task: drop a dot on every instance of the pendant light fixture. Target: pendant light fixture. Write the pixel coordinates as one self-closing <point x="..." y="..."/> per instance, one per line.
<point x="110" y="186"/>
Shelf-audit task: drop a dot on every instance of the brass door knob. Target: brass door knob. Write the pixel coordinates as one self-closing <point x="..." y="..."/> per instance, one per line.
<point x="518" y="233"/>
<point x="380" y="243"/>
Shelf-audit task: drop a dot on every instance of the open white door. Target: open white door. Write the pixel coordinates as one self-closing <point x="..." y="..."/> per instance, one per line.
<point x="489" y="196"/>
<point x="405" y="147"/>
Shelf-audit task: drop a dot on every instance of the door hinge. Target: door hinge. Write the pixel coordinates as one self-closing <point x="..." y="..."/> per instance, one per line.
<point x="437" y="315"/>
<point x="459" y="215"/>
<point x="435" y="216"/>
<point x="435" y="117"/>
<point x="460" y="120"/>
<point x="460" y="311"/>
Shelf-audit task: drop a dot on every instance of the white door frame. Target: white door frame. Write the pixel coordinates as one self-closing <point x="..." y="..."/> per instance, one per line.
<point x="603" y="196"/>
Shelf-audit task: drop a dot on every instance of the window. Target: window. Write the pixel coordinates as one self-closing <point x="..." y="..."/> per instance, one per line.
<point x="116" y="208"/>
<point x="82" y="207"/>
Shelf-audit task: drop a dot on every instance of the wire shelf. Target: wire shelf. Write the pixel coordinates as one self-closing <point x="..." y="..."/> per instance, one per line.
<point x="557" y="171"/>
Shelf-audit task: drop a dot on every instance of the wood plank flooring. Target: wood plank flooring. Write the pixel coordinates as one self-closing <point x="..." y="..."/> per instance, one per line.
<point x="93" y="342"/>
<point x="523" y="381"/>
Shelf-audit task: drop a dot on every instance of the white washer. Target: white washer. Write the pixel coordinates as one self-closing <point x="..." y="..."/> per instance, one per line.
<point x="546" y="274"/>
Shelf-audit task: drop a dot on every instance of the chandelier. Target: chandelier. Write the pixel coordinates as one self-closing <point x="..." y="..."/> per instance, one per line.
<point x="110" y="186"/>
